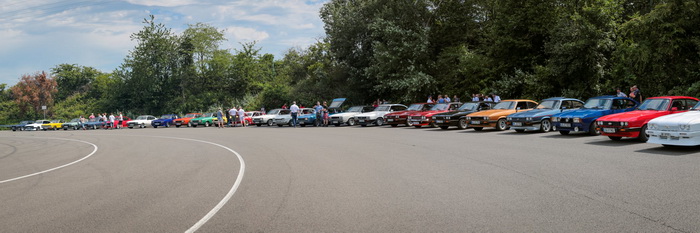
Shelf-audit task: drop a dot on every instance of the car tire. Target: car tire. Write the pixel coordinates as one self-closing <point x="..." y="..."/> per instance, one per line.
<point x="302" y="125"/>
<point x="433" y="125"/>
<point x="643" y="137"/>
<point x="545" y="126"/>
<point x="167" y="125"/>
<point x="478" y="128"/>
<point x="501" y="125"/>
<point x="444" y="127"/>
<point x="351" y="122"/>
<point x="592" y="131"/>
<point x="564" y="132"/>
<point x="143" y="125"/>
<point x="409" y="123"/>
<point x="14" y="129"/>
<point x="269" y="123"/>
<point x="206" y="124"/>
<point x="462" y="124"/>
<point x="379" y="122"/>
<point x="520" y="130"/>
<point x="95" y="127"/>
<point x="65" y="128"/>
<point x="615" y="138"/>
<point x="258" y="125"/>
<point x="189" y="124"/>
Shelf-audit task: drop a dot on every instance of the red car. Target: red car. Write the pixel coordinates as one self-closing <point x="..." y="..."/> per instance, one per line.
<point x="186" y="119"/>
<point x="126" y="119"/>
<point x="425" y="118"/>
<point x="633" y="124"/>
<point x="397" y="118"/>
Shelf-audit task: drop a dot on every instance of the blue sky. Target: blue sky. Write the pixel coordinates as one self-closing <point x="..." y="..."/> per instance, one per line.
<point x="37" y="35"/>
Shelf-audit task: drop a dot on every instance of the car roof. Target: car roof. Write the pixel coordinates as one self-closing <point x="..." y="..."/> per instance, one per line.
<point x="673" y="97"/>
<point x="518" y="100"/>
<point x="561" y="98"/>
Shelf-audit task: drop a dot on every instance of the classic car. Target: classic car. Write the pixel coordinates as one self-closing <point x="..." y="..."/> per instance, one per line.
<point x="376" y="116"/>
<point x="335" y="105"/>
<point x="538" y="119"/>
<point x="37" y="125"/>
<point x="307" y="117"/>
<point x="283" y="118"/>
<point x="94" y="123"/>
<point x="425" y="118"/>
<point x="496" y="117"/>
<point x="186" y="119"/>
<point x="249" y="116"/>
<point x="456" y="118"/>
<point x="73" y="124"/>
<point x="206" y="120"/>
<point x="141" y="121"/>
<point x="348" y="117"/>
<point x="53" y="125"/>
<point x="269" y="118"/>
<point x="583" y="119"/>
<point x="401" y="117"/>
<point x="633" y="124"/>
<point x="682" y="129"/>
<point x="164" y="120"/>
<point x="125" y="123"/>
<point x="20" y="126"/>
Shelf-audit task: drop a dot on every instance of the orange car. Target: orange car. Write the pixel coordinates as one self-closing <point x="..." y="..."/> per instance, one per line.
<point x="186" y="119"/>
<point x="496" y="117"/>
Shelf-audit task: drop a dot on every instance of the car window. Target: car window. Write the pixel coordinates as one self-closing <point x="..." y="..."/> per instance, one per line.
<point x="677" y="105"/>
<point x="575" y="104"/>
<point x="398" y="108"/>
<point x="522" y="105"/>
<point x="531" y="105"/>
<point x="631" y="104"/>
<point x="690" y="103"/>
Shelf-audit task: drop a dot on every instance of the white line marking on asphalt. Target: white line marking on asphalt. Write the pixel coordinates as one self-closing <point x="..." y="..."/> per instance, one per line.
<point x="55" y="168"/>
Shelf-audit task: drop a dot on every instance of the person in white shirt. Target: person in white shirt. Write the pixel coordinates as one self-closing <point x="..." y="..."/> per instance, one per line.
<point x="620" y="93"/>
<point x="111" y="120"/>
<point x="475" y="97"/>
<point x="447" y="99"/>
<point x="241" y="115"/>
<point x="430" y="99"/>
<point x="294" y="109"/>
<point x="120" y="120"/>
<point x="232" y="116"/>
<point x="495" y="98"/>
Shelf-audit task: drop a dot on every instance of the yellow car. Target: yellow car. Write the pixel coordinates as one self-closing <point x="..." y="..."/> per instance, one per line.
<point x="496" y="117"/>
<point x="54" y="125"/>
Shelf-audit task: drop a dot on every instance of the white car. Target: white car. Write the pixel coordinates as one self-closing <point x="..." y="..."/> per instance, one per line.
<point x="377" y="116"/>
<point x="269" y="119"/>
<point x="286" y="118"/>
<point x="142" y="121"/>
<point x="348" y="117"/>
<point x="681" y="129"/>
<point x="37" y="125"/>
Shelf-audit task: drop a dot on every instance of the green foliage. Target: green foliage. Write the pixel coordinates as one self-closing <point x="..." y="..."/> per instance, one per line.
<point x="75" y="106"/>
<point x="72" y="79"/>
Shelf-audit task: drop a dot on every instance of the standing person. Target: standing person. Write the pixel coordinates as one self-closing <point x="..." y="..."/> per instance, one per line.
<point x="619" y="93"/>
<point x="487" y="98"/>
<point x="495" y="98"/>
<point x="430" y="99"/>
<point x="112" y="119"/>
<point x="324" y="114"/>
<point x="636" y="94"/>
<point x="319" y="114"/>
<point x="232" y="116"/>
<point x="375" y="104"/>
<point x="92" y="116"/>
<point x="220" y="119"/>
<point x="440" y="99"/>
<point x="475" y="97"/>
<point x="294" y="110"/>
<point x="120" y="120"/>
<point x="82" y="122"/>
<point x="455" y="98"/>
<point x="447" y="99"/>
<point x="284" y="106"/>
<point x="241" y="116"/>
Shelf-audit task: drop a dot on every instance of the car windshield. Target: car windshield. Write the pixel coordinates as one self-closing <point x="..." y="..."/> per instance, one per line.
<point x="655" y="104"/>
<point x="469" y="106"/>
<point x="167" y="116"/>
<point x="548" y="104"/>
<point x="273" y="112"/>
<point x="142" y="118"/>
<point x="39" y="122"/>
<point x="75" y="120"/>
<point x="696" y="108"/>
<point x="56" y="121"/>
<point x="306" y="111"/>
<point x="505" y="105"/>
<point x="191" y="115"/>
<point x="383" y="108"/>
<point x="209" y="114"/>
<point x="440" y="107"/>
<point x="249" y="114"/>
<point x="355" y="109"/>
<point x="598" y="104"/>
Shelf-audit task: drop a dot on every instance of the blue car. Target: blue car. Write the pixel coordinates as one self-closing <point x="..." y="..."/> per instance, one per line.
<point x="538" y="119"/>
<point x="307" y="117"/>
<point x="164" y="120"/>
<point x="583" y="119"/>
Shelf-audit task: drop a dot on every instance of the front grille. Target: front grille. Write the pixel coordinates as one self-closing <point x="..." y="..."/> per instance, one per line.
<point x="518" y="119"/>
<point x="610" y="123"/>
<point x="566" y="120"/>
<point x="478" y="118"/>
<point x="363" y="118"/>
<point x="416" y="117"/>
<point x="335" y="118"/>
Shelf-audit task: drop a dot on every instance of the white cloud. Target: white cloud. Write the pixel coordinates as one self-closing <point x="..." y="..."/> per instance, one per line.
<point x="163" y="3"/>
<point x="246" y="34"/>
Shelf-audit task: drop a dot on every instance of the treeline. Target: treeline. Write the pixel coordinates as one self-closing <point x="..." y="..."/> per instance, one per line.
<point x="400" y="51"/>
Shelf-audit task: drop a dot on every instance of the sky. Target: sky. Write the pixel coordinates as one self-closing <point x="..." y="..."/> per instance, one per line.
<point x="37" y="35"/>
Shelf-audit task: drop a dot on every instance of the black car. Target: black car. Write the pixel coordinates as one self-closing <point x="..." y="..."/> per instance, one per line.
<point x="20" y="126"/>
<point x="456" y="118"/>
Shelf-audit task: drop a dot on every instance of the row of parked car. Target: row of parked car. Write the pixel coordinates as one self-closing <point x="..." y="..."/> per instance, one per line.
<point x="667" y="120"/>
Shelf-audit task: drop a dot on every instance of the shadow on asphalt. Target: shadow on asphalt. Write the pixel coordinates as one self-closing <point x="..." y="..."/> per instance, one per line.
<point x="672" y="150"/>
<point x="605" y="141"/>
<point x="556" y="135"/>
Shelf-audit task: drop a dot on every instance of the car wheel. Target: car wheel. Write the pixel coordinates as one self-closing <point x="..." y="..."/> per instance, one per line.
<point x="462" y="124"/>
<point x="143" y="126"/>
<point x="643" y="137"/>
<point x="189" y="124"/>
<point x="95" y="127"/>
<point x="14" y="129"/>
<point x="614" y="138"/>
<point x="519" y="130"/>
<point x="444" y="127"/>
<point x="65" y="128"/>
<point x="379" y="122"/>
<point x="478" y="128"/>
<point x="351" y="121"/>
<point x="167" y="125"/>
<point x="433" y="125"/>
<point x="545" y="126"/>
<point x="269" y="122"/>
<point x="564" y="132"/>
<point x="258" y="125"/>
<point x="592" y="131"/>
<point x="501" y="125"/>
<point x="206" y="124"/>
<point x="409" y="123"/>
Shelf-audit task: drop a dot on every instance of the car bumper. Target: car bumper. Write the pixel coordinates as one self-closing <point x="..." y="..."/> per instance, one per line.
<point x="396" y="121"/>
<point x="473" y="123"/>
<point x="443" y="122"/>
<point x="619" y="132"/>
<point x="575" y="127"/>
<point x="420" y="122"/>
<point x="674" y="138"/>
<point x="365" y="122"/>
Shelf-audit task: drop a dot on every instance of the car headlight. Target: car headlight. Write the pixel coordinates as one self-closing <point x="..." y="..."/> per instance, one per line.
<point x="652" y="126"/>
<point x="447" y="118"/>
<point x="577" y="120"/>
<point x="422" y="117"/>
<point x="684" y="127"/>
<point x="528" y="119"/>
<point x="434" y="118"/>
<point x="469" y="118"/>
<point x="555" y="118"/>
<point x="509" y="118"/>
<point x="624" y="123"/>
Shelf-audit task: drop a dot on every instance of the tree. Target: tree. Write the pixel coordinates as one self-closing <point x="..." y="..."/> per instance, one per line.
<point x="34" y="91"/>
<point x="72" y="79"/>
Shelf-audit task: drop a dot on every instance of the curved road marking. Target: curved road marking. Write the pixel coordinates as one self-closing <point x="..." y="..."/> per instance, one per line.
<point x="55" y="168"/>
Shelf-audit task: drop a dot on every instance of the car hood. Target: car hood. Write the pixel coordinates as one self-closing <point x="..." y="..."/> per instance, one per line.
<point x="403" y="113"/>
<point x="583" y="113"/>
<point x="536" y="113"/>
<point x="185" y="118"/>
<point x="638" y="115"/>
<point x="686" y="118"/>
<point x="428" y="113"/>
<point x="454" y="113"/>
<point x="369" y="114"/>
<point x="495" y="112"/>
<point x="344" y="114"/>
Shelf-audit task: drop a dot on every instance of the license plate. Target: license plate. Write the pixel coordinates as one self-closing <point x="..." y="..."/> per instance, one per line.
<point x="157" y="123"/>
<point x="389" y="120"/>
<point x="475" y="122"/>
<point x="439" y="121"/>
<point x="609" y="130"/>
<point x="334" y="122"/>
<point x="415" y="122"/>
<point x="178" y="123"/>
<point x="517" y="124"/>
<point x="362" y="121"/>
<point x="565" y="125"/>
<point x="665" y="134"/>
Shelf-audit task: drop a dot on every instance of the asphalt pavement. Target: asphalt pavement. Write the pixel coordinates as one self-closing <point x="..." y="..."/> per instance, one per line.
<point x="343" y="179"/>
